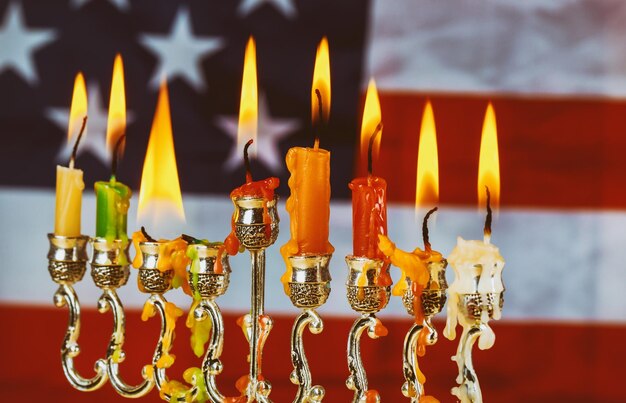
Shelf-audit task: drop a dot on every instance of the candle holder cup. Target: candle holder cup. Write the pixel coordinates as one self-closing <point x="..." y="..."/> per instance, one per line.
<point x="208" y="284"/>
<point x="433" y="298"/>
<point x="255" y="222"/>
<point x="475" y="309"/>
<point x="67" y="262"/>
<point x="309" y="288"/>
<point x="366" y="296"/>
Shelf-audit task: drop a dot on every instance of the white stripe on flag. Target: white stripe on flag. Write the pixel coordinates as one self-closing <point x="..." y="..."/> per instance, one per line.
<point x="559" y="47"/>
<point x="560" y="265"/>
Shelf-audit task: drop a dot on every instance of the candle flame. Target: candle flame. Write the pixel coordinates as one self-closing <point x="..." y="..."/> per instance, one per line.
<point x="116" y="122"/>
<point x="321" y="82"/>
<point x="78" y="108"/>
<point x="249" y="104"/>
<point x="371" y="119"/>
<point x="159" y="194"/>
<point x="489" y="162"/>
<point x="427" y="186"/>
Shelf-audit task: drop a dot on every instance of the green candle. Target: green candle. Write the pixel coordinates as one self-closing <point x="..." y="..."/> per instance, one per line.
<point x="113" y="200"/>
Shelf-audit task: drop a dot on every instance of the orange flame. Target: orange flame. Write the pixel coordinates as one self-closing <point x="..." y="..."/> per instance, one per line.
<point x="78" y="109"/>
<point x="371" y="118"/>
<point x="489" y="161"/>
<point x="159" y="194"/>
<point x="249" y="104"/>
<point x="321" y="82"/>
<point x="427" y="186"/>
<point x="116" y="123"/>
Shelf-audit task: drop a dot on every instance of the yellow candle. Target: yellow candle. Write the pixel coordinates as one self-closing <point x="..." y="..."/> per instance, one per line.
<point x="70" y="185"/>
<point x="69" y="196"/>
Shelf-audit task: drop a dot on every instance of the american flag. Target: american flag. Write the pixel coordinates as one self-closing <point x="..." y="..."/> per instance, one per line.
<point x="555" y="72"/>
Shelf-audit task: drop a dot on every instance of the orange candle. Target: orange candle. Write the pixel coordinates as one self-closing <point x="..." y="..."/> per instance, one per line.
<point x="309" y="202"/>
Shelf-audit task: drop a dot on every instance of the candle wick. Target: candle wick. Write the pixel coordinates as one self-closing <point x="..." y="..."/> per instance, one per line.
<point x="80" y="136"/>
<point x="116" y="152"/>
<point x="145" y="234"/>
<point x="320" y="117"/>
<point x="379" y="128"/>
<point x="246" y="161"/>
<point x="427" y="246"/>
<point x="487" y="230"/>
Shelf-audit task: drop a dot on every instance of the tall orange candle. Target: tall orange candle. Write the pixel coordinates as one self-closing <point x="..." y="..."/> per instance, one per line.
<point x="309" y="202"/>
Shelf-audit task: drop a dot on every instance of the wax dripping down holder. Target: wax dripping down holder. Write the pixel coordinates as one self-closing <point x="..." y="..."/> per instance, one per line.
<point x="208" y="284"/>
<point x="433" y="298"/>
<point x="476" y="309"/>
<point x="255" y="222"/>
<point x="309" y="288"/>
<point x="366" y="297"/>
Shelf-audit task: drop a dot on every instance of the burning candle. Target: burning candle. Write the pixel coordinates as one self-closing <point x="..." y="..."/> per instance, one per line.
<point x="309" y="203"/>
<point x="113" y="197"/>
<point x="246" y="134"/>
<point x="160" y="199"/>
<point x="369" y="194"/>
<point x="70" y="185"/>
<point x="478" y="264"/>
<point x="414" y="266"/>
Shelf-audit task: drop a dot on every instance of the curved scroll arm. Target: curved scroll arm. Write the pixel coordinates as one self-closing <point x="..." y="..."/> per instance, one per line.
<point x="211" y="365"/>
<point x="468" y="390"/>
<point x="115" y="354"/>
<point x="66" y="295"/>
<point x="159" y="303"/>
<point x="357" y="380"/>
<point x="301" y="374"/>
<point x="414" y="386"/>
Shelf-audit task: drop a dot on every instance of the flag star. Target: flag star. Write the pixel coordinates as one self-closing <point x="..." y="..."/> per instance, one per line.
<point x="120" y="4"/>
<point x="271" y="131"/>
<point x="94" y="137"/>
<point x="180" y="52"/>
<point x="285" y="6"/>
<point x="17" y="44"/>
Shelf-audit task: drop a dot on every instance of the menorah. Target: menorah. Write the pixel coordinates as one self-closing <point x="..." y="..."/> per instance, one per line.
<point x="309" y="286"/>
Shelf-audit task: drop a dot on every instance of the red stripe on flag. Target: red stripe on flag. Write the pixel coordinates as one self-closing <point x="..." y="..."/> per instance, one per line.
<point x="554" y="152"/>
<point x="529" y="362"/>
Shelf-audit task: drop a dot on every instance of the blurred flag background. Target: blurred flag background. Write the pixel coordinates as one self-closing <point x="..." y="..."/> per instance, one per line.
<point x="555" y="72"/>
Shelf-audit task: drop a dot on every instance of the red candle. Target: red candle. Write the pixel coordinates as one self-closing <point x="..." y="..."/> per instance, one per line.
<point x="369" y="193"/>
<point x="369" y="215"/>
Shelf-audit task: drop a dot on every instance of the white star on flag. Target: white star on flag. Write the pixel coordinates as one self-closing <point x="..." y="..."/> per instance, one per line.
<point x="270" y="132"/>
<point x="120" y="4"/>
<point x="180" y="52"/>
<point x="94" y="137"/>
<point x="284" y="6"/>
<point x="17" y="44"/>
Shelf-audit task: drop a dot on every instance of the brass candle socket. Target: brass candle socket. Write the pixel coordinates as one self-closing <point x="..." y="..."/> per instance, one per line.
<point x="366" y="296"/>
<point x="109" y="263"/>
<point x="67" y="261"/>
<point x="475" y="309"/>
<point x="433" y="298"/>
<point x="255" y="221"/>
<point x="209" y="284"/>
<point x="308" y="289"/>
